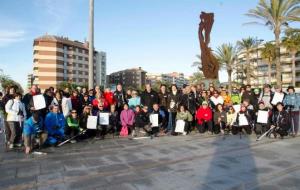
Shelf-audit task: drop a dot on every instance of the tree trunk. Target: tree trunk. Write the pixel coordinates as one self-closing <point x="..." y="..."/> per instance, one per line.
<point x="269" y="71"/>
<point x="277" y="59"/>
<point x="248" y="74"/>
<point x="229" y="72"/>
<point x="294" y="68"/>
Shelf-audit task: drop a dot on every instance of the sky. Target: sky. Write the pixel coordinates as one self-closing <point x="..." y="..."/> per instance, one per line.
<point x="157" y="35"/>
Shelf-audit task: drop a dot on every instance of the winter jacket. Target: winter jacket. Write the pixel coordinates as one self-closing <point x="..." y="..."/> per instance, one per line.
<point x="250" y="96"/>
<point x="203" y="115"/>
<point x="28" y="103"/>
<point x="161" y="116"/>
<point x="292" y="101"/>
<point x="134" y="102"/>
<point x="189" y="101"/>
<point x="83" y="120"/>
<point x="76" y="104"/>
<point x="149" y="98"/>
<point x="114" y="118"/>
<point x="163" y="100"/>
<point x="185" y="116"/>
<point x="54" y="122"/>
<point x="120" y="98"/>
<point x="248" y="117"/>
<point x="174" y="101"/>
<point x="31" y="127"/>
<point x="266" y="98"/>
<point x="231" y="118"/>
<point x="96" y="102"/>
<point x="72" y="122"/>
<point x="221" y="115"/>
<point x="236" y="98"/>
<point x="15" y="110"/>
<point x="141" y="119"/>
<point x="127" y="117"/>
<point x="109" y="97"/>
<point x="281" y="120"/>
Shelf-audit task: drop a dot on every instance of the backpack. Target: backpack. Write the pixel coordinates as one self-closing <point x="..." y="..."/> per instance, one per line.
<point x="124" y="131"/>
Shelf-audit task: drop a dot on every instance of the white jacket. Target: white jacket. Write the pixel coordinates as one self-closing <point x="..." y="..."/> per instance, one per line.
<point x="66" y="106"/>
<point x="12" y="108"/>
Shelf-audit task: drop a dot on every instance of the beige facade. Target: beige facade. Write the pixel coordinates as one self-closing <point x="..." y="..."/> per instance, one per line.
<point x="260" y="68"/>
<point x="58" y="59"/>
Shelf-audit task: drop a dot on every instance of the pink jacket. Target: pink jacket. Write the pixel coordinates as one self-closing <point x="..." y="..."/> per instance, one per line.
<point x="127" y="117"/>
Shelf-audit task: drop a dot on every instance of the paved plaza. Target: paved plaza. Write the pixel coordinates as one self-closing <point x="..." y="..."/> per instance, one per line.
<point x="183" y="162"/>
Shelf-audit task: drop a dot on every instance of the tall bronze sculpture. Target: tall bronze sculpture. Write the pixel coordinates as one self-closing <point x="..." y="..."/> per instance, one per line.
<point x="210" y="65"/>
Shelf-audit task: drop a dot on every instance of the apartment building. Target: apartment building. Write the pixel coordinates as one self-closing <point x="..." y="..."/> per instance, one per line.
<point x="30" y="80"/>
<point x="170" y="78"/>
<point x="260" y="68"/>
<point x="58" y="59"/>
<point x="135" y="77"/>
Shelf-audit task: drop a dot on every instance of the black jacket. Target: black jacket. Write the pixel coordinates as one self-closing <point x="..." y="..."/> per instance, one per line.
<point x="149" y="98"/>
<point x="163" y="100"/>
<point x="189" y="101"/>
<point x="141" y="119"/>
<point x="174" y="99"/>
<point x="281" y="120"/>
<point x="120" y="98"/>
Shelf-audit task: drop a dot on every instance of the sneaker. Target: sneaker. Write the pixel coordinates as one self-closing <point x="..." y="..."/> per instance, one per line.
<point x="18" y="145"/>
<point x="11" y="146"/>
<point x="184" y="133"/>
<point x="97" y="138"/>
<point x="73" y="141"/>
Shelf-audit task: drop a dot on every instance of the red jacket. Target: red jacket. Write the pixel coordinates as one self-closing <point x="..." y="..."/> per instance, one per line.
<point x="109" y="97"/>
<point x="203" y="115"/>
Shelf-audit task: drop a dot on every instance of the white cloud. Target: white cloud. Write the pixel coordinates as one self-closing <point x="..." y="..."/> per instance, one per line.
<point x="8" y="37"/>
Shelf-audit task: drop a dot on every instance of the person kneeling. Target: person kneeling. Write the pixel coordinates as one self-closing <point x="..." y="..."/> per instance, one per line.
<point x="141" y="121"/>
<point x="185" y="116"/>
<point x="55" y="125"/>
<point x="72" y="128"/>
<point x="281" y="121"/>
<point x="243" y="121"/>
<point x="204" y="117"/>
<point x="262" y="127"/>
<point x="157" y="120"/>
<point x="33" y="132"/>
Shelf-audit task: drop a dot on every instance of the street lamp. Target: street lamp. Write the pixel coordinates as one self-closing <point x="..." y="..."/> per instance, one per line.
<point x="91" y="45"/>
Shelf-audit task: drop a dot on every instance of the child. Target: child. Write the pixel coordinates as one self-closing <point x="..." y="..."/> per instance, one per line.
<point x="281" y="121"/>
<point x="186" y="116"/>
<point x="161" y="119"/>
<point x="113" y="120"/>
<point x="127" y="120"/>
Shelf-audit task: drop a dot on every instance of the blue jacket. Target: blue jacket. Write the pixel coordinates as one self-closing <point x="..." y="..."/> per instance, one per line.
<point x="134" y="102"/>
<point x="31" y="128"/>
<point x="292" y="100"/>
<point x="54" y="122"/>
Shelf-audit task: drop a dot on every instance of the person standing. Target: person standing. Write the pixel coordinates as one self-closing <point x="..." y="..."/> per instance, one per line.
<point x="292" y="104"/>
<point x="119" y="96"/>
<point x="174" y="101"/>
<point x="16" y="113"/>
<point x="149" y="97"/>
<point x="28" y="100"/>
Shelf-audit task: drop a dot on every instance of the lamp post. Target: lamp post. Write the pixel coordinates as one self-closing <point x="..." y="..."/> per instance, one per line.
<point x="91" y="45"/>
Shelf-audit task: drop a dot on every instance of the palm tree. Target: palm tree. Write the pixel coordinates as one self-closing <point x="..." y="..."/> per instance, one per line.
<point x="198" y="63"/>
<point x="226" y="55"/>
<point x="276" y="14"/>
<point x="292" y="43"/>
<point x="247" y="45"/>
<point x="269" y="53"/>
<point x="197" y="78"/>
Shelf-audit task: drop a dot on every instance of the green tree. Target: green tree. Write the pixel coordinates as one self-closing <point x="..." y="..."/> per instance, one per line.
<point x="6" y="82"/>
<point x="197" y="78"/>
<point x="247" y="45"/>
<point x="226" y="55"/>
<point x="292" y="43"/>
<point x="269" y="53"/>
<point x="276" y="14"/>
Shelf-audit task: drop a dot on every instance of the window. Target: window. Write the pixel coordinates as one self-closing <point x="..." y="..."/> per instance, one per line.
<point x="79" y="57"/>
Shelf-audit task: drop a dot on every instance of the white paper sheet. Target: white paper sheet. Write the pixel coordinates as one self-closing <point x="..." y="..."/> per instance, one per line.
<point x="104" y="118"/>
<point x="278" y="97"/>
<point x="180" y="126"/>
<point x="39" y="102"/>
<point x="262" y="116"/>
<point x="243" y="120"/>
<point x="237" y="108"/>
<point x="92" y="122"/>
<point x="154" y="120"/>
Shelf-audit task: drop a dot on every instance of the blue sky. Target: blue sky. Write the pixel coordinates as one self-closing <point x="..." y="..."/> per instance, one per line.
<point x="158" y="35"/>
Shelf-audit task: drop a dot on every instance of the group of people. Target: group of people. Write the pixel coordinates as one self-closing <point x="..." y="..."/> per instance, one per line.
<point x="150" y="113"/>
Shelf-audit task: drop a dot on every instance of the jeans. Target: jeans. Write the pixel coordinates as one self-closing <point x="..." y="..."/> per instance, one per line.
<point x="171" y="123"/>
